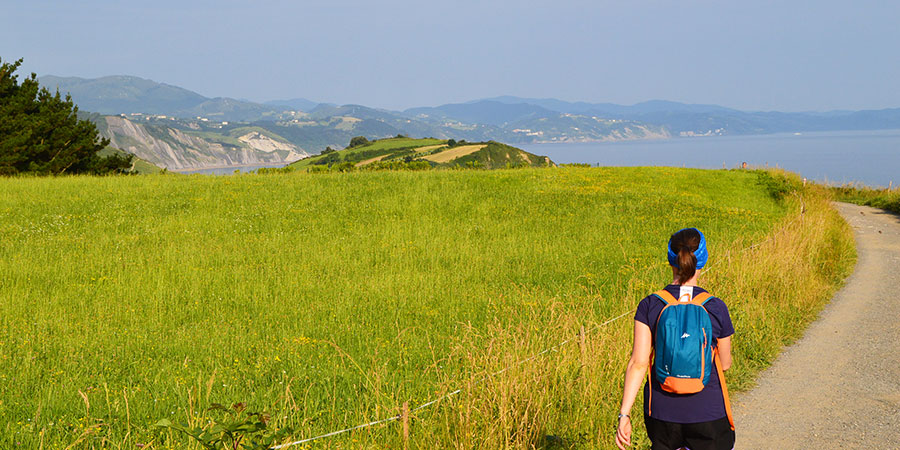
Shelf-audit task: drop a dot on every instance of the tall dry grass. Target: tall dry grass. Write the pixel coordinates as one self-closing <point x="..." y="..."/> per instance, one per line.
<point x="569" y="397"/>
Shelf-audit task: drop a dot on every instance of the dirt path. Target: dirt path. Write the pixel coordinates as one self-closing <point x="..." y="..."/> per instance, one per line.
<point x="839" y="386"/>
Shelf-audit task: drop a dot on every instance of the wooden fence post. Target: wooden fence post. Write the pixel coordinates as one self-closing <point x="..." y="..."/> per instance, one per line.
<point x="583" y="344"/>
<point x="404" y="416"/>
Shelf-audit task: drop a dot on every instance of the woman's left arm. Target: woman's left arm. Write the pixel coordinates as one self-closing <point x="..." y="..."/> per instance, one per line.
<point x="724" y="345"/>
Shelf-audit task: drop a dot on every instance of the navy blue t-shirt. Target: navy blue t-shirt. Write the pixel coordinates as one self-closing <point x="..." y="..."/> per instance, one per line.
<point x="705" y="405"/>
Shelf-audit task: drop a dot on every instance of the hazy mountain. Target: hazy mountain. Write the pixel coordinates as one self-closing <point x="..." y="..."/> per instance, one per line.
<point x="652" y="106"/>
<point x="295" y="104"/>
<point x="125" y="95"/>
<point x="186" y="129"/>
<point x="484" y="112"/>
<point x="325" y="110"/>
<point x="698" y="119"/>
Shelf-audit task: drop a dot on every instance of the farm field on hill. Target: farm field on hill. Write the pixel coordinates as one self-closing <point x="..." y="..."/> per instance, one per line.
<point x="421" y="154"/>
<point x="330" y="299"/>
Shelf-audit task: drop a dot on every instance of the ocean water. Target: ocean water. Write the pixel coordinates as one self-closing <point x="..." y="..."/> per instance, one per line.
<point x="229" y="170"/>
<point x="867" y="157"/>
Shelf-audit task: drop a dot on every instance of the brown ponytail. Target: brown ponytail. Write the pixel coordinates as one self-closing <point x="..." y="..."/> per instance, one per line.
<point x="684" y="243"/>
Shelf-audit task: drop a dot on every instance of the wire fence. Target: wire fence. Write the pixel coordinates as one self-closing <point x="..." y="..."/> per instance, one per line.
<point x="451" y="394"/>
<point x="518" y="363"/>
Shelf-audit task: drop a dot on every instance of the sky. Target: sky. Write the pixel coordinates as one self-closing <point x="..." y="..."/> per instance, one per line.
<point x="751" y="55"/>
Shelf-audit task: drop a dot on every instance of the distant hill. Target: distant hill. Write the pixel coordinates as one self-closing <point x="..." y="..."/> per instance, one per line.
<point x="482" y="112"/>
<point x="523" y="122"/>
<point x="296" y="104"/>
<point x="123" y="94"/>
<point x="126" y="94"/>
<point x="682" y="119"/>
<point x="436" y="152"/>
<point x="611" y="109"/>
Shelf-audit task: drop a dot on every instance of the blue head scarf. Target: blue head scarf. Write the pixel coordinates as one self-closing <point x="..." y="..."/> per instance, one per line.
<point x="701" y="253"/>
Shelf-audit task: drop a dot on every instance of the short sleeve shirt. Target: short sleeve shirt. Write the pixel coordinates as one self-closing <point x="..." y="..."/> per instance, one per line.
<point x="704" y="406"/>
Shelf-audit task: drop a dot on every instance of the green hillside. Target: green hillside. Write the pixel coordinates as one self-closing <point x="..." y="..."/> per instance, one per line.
<point x="496" y="155"/>
<point x="435" y="152"/>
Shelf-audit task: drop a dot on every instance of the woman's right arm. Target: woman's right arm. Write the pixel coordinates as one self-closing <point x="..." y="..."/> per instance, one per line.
<point x="634" y="377"/>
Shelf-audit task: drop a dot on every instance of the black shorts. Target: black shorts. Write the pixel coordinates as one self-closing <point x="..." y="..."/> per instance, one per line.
<point x="712" y="435"/>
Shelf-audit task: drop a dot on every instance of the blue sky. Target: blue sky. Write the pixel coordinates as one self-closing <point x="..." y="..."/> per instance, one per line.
<point x="753" y="55"/>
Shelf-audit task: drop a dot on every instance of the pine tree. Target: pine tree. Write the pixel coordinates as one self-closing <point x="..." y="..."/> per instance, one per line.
<point x="40" y="132"/>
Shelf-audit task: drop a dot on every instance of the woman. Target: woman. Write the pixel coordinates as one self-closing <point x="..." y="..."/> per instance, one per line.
<point x="698" y="421"/>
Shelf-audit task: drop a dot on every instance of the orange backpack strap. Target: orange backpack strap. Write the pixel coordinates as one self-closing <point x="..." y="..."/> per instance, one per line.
<point x="649" y="392"/>
<point x="724" y="390"/>
<point x="700" y="298"/>
<point x="666" y="296"/>
<point x="650" y="384"/>
<point x="670" y="299"/>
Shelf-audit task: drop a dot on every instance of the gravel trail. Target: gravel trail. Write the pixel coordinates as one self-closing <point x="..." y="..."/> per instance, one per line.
<point x="838" y="386"/>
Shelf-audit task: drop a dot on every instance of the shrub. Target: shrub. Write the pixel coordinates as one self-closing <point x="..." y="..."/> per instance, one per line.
<point x="358" y="141"/>
<point x="778" y="184"/>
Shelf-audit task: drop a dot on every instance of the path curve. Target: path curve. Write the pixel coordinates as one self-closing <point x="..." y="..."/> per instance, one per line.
<point x="838" y="386"/>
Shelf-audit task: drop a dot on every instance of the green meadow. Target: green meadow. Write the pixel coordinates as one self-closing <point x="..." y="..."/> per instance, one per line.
<point x="328" y="300"/>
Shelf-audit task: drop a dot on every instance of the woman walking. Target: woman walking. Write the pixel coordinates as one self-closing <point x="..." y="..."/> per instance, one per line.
<point x="685" y="398"/>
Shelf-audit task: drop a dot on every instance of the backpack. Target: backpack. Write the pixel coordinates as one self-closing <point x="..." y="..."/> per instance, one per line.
<point x="684" y="344"/>
<point x="683" y="351"/>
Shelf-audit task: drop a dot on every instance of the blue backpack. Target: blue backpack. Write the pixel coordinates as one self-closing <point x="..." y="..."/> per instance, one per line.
<point x="683" y="358"/>
<point x="683" y="350"/>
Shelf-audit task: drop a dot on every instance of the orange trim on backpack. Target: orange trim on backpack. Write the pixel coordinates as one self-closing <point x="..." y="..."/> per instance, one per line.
<point x="666" y="296"/>
<point x="670" y="299"/>
<point x="700" y="298"/>
<point x="724" y="390"/>
<point x="682" y="385"/>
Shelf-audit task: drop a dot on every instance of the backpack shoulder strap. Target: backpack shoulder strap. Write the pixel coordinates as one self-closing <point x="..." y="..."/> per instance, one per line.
<point x="724" y="390"/>
<point x="701" y="298"/>
<point x="665" y="296"/>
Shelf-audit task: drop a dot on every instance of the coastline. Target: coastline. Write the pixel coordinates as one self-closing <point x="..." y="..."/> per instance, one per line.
<point x="227" y="166"/>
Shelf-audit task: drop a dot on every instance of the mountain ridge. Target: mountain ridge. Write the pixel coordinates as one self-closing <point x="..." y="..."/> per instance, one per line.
<point x="310" y="127"/>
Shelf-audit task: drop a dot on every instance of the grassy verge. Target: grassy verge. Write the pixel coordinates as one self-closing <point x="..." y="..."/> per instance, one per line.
<point x="774" y="286"/>
<point x="328" y="300"/>
<point x="878" y="198"/>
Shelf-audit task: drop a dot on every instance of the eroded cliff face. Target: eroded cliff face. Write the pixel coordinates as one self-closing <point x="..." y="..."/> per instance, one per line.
<point x="635" y="132"/>
<point x="175" y="149"/>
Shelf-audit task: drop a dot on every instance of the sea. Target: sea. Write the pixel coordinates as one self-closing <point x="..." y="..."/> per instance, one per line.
<point x="869" y="158"/>
<point x="229" y="170"/>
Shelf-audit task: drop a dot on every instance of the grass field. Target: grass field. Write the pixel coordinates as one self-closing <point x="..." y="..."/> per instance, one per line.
<point x="328" y="300"/>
